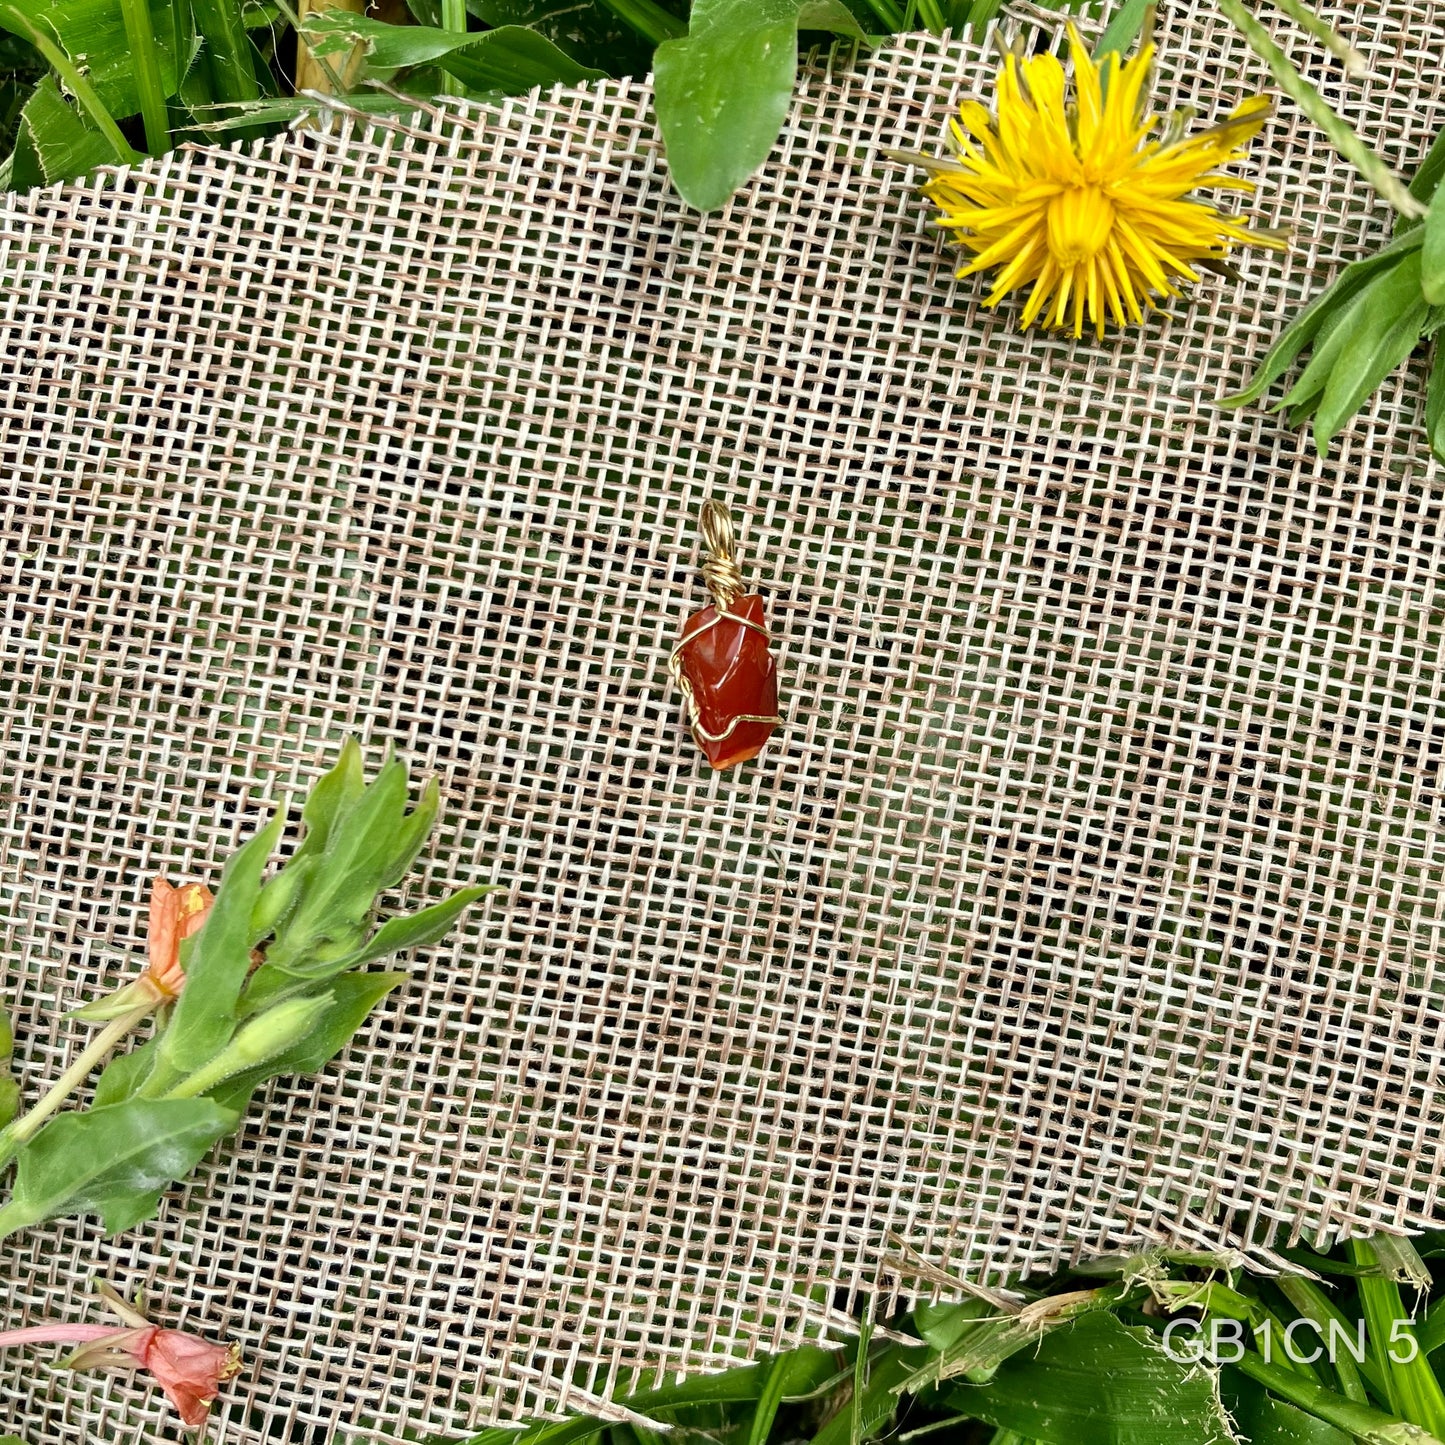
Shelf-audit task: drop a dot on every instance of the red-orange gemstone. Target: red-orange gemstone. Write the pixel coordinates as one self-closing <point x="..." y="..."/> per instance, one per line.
<point x="734" y="683"/>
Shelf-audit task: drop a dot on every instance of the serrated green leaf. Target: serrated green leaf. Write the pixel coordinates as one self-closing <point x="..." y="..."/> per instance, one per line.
<point x="1098" y="1382"/>
<point x="722" y="91"/>
<point x="59" y="144"/>
<point x="93" y="33"/>
<point x="411" y="835"/>
<point x="217" y="964"/>
<point x="332" y="796"/>
<point x="113" y="1161"/>
<point x="345" y="878"/>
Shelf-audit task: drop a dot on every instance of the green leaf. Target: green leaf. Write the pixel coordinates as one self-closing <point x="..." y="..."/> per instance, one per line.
<point x="1432" y="253"/>
<point x="343" y="881"/>
<point x="125" y="1073"/>
<point x="1098" y="1382"/>
<point x="1427" y="176"/>
<point x="228" y="55"/>
<point x="510" y="59"/>
<point x="353" y="996"/>
<point x="1263" y="1420"/>
<point x="396" y="935"/>
<point x="1435" y="404"/>
<point x="617" y="36"/>
<point x="219" y="960"/>
<point x="1303" y="329"/>
<point x="114" y="1161"/>
<point x="722" y="91"/>
<point x="93" y="33"/>
<point x="333" y="795"/>
<point x="1122" y="28"/>
<point x="1375" y="346"/>
<point x="59" y="142"/>
<point x="1334" y="332"/>
<point x="410" y="836"/>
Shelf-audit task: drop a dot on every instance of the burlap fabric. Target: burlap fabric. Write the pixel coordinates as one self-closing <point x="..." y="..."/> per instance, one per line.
<point x="1089" y="897"/>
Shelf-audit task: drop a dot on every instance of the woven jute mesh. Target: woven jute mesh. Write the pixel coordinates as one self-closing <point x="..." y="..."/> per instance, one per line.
<point x="1089" y="896"/>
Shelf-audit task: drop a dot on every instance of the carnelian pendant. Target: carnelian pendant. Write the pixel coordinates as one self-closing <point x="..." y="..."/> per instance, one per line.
<point x="722" y="664"/>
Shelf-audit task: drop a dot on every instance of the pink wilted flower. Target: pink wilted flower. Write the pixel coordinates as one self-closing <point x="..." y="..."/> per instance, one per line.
<point x="189" y="1369"/>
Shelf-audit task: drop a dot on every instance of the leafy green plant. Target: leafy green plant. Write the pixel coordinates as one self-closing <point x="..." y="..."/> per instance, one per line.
<point x="269" y="978"/>
<point x="103" y="82"/>
<point x="1160" y="1346"/>
<point x="1379" y="309"/>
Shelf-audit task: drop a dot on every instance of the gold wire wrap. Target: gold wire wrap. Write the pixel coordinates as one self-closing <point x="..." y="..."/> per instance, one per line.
<point x="724" y="579"/>
<point x="720" y="568"/>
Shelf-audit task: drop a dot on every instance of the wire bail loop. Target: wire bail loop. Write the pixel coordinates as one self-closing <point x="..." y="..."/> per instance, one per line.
<point x="720" y="570"/>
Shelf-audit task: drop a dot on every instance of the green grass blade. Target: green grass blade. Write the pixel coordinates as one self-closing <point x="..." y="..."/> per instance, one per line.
<point x="140" y="35"/>
<point x="1314" y="1304"/>
<point x="1364" y="1422"/>
<point x="786" y="1376"/>
<point x="1431" y="1330"/>
<point x="860" y="1383"/>
<point x="228" y="50"/>
<point x="648" y="19"/>
<point x="1122" y="28"/>
<point x="1413" y="1391"/>
<point x="454" y="20"/>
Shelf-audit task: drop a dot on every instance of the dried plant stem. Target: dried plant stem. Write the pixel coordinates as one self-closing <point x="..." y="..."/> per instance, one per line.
<point x="311" y="73"/>
<point x="1342" y="136"/>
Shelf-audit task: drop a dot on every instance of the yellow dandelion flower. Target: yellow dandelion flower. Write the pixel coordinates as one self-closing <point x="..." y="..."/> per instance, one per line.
<point x="1076" y="201"/>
